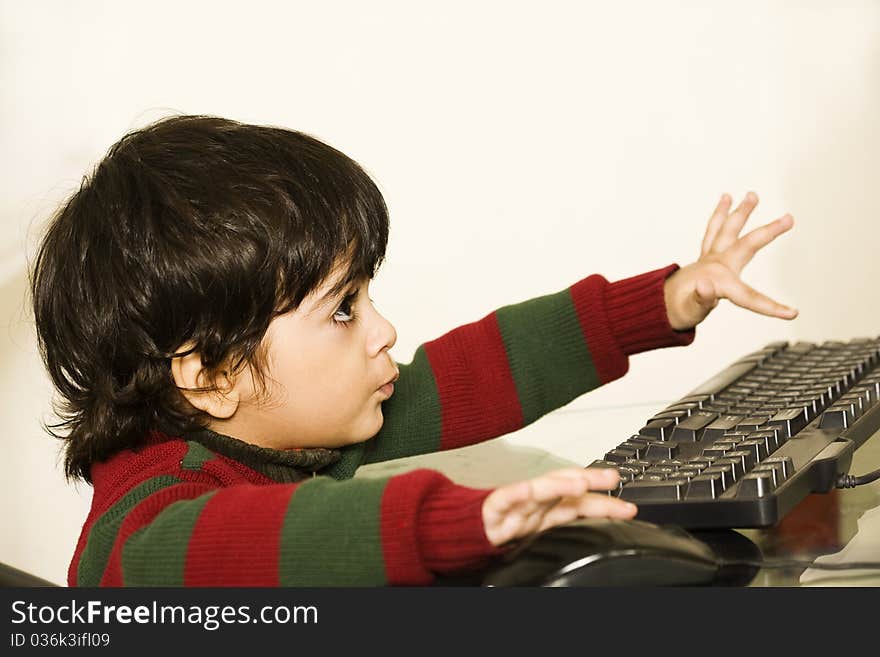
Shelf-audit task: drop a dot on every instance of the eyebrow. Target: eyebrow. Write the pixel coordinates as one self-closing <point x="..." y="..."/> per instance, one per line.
<point x="332" y="298"/>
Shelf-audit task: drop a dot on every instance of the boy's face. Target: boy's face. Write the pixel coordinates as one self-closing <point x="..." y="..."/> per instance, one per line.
<point x="328" y="370"/>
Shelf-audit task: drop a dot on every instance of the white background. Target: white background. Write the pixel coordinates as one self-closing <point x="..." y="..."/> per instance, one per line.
<point x="519" y="146"/>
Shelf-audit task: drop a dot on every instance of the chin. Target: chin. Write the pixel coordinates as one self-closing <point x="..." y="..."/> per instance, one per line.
<point x="372" y="427"/>
<point x="362" y="432"/>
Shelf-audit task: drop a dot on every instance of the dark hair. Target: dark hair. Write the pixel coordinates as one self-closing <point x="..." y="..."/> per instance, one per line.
<point x="193" y="229"/>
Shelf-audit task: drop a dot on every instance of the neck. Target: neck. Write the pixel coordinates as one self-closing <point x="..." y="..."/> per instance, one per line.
<point x="282" y="465"/>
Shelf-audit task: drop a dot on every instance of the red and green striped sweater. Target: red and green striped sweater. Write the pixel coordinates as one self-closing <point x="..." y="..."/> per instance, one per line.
<point x="209" y="510"/>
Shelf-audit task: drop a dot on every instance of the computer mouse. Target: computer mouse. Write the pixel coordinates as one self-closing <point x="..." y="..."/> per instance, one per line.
<point x="606" y="552"/>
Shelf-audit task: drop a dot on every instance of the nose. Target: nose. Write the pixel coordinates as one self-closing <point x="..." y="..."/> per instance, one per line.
<point x="383" y="335"/>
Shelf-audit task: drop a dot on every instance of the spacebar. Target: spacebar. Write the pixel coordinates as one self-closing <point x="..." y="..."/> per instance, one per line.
<point x="723" y="379"/>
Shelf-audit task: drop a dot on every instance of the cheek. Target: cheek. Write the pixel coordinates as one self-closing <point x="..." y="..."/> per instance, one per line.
<point x="326" y="377"/>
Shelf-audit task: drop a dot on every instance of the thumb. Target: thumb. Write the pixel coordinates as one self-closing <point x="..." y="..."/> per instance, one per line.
<point x="705" y="294"/>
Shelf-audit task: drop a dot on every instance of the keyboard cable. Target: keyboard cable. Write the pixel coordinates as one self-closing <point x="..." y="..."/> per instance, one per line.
<point x="851" y="481"/>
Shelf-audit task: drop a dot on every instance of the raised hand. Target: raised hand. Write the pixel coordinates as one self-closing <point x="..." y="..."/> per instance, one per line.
<point x="693" y="291"/>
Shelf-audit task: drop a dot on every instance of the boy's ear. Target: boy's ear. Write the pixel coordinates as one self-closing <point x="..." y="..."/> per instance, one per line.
<point x="189" y="374"/>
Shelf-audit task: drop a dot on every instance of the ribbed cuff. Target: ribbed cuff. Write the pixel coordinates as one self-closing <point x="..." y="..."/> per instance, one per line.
<point x="450" y="529"/>
<point x="637" y="317"/>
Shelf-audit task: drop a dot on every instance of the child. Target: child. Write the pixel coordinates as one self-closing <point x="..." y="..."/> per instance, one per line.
<point x="202" y="307"/>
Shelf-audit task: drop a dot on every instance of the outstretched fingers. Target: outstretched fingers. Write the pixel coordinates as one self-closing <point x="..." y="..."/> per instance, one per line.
<point x="748" y="245"/>
<point x="590" y="505"/>
<point x="552" y="499"/>
<point x="730" y="229"/>
<point x="749" y="298"/>
<point x="571" y="482"/>
<point x="715" y="222"/>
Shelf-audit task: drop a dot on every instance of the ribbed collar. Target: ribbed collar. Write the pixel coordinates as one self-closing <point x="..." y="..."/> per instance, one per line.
<point x="281" y="465"/>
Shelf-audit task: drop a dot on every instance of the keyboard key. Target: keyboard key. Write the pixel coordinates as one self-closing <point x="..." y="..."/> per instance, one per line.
<point x="775" y="472"/>
<point x="718" y="450"/>
<point x="654" y="491"/>
<point x="781" y="430"/>
<point x="794" y="419"/>
<point x="753" y="423"/>
<point x="822" y="395"/>
<point x="637" y="447"/>
<point x="854" y="402"/>
<point x="685" y="407"/>
<point x="760" y="356"/>
<point x="620" y="455"/>
<point x="686" y="473"/>
<point x="628" y="473"/>
<point x="867" y="394"/>
<point x="773" y="439"/>
<point x="697" y="463"/>
<point x="837" y="417"/>
<point x="809" y="405"/>
<point x="691" y="429"/>
<point x="736" y="466"/>
<point x="660" y="450"/>
<point x="725" y="474"/>
<point x="705" y="486"/>
<point x="659" y="429"/>
<point x="755" y="484"/>
<point x="784" y="462"/>
<point x="700" y="400"/>
<point x="670" y="415"/>
<point x="720" y="425"/>
<point x="675" y="463"/>
<point x="757" y="447"/>
<point x="872" y="388"/>
<point x="745" y="457"/>
<point x="664" y="470"/>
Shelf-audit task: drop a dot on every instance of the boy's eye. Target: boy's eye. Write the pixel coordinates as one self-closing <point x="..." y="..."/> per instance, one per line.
<point x="345" y="313"/>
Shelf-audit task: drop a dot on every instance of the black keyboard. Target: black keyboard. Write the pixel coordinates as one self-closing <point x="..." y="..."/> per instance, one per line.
<point x="745" y="447"/>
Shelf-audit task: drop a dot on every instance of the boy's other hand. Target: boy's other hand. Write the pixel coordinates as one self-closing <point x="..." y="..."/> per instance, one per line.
<point x="693" y="291"/>
<point x="526" y="507"/>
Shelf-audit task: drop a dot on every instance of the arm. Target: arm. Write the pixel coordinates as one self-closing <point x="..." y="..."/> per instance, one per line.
<point x="397" y="530"/>
<point x="494" y="376"/>
<point x="401" y="530"/>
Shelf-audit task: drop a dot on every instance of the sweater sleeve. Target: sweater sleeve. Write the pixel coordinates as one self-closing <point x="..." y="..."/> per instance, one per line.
<point x="401" y="530"/>
<point x="494" y="376"/>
